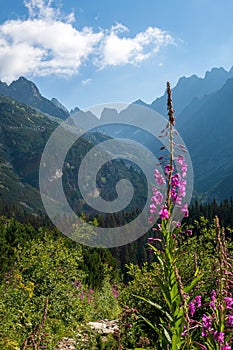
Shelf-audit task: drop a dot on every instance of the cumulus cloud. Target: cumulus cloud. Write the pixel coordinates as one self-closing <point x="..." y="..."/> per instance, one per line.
<point x="47" y="42"/>
<point x="118" y="50"/>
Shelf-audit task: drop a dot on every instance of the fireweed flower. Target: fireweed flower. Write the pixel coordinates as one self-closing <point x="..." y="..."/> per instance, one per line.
<point x="195" y="303"/>
<point x="184" y="170"/>
<point x="192" y="308"/>
<point x="219" y="337"/>
<point x="226" y="347"/>
<point x="229" y="302"/>
<point x="180" y="160"/>
<point x="229" y="320"/>
<point x="175" y="180"/>
<point x="212" y="304"/>
<point x="206" y="323"/>
<point x="152" y="208"/>
<point x="160" y="180"/>
<point x="176" y="193"/>
<point x="197" y="300"/>
<point x="164" y="214"/>
<point x="157" y="197"/>
<point x="167" y="169"/>
<point x="185" y="211"/>
<point x="115" y="292"/>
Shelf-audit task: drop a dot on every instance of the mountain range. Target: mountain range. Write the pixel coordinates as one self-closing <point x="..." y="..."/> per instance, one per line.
<point x="24" y="133"/>
<point x="189" y="88"/>
<point x="27" y="92"/>
<point x="204" y="118"/>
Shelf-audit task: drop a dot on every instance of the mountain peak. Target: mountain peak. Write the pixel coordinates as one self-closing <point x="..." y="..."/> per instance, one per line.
<point x="24" y="86"/>
<point x="25" y="91"/>
<point x="216" y="73"/>
<point x="193" y="86"/>
<point x="141" y="103"/>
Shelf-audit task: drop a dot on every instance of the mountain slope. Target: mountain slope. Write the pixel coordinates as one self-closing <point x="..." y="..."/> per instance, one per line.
<point x="23" y="133"/>
<point x="27" y="92"/>
<point x="193" y="87"/>
<point x="206" y="127"/>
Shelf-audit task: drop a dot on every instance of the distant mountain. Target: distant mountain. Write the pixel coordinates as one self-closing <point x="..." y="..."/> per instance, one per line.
<point x="27" y="92"/>
<point x="206" y="126"/>
<point x="74" y="110"/>
<point x="204" y="119"/>
<point x="189" y="88"/>
<point x="205" y="123"/>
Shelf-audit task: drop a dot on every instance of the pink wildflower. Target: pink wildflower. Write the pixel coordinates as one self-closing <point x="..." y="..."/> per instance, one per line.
<point x="226" y="347"/>
<point x="185" y="211"/>
<point x="207" y="322"/>
<point x="192" y="309"/>
<point x="229" y="302"/>
<point x="164" y="214"/>
<point x="229" y="320"/>
<point x="219" y="337"/>
<point x="167" y="169"/>
<point x="180" y="160"/>
<point x="159" y="178"/>
<point x="175" y="181"/>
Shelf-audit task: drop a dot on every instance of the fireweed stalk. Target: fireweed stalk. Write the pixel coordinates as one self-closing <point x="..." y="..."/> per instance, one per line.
<point x="175" y="314"/>
<point x="216" y="325"/>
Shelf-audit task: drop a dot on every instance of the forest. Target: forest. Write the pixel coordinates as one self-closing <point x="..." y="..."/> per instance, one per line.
<point x="170" y="289"/>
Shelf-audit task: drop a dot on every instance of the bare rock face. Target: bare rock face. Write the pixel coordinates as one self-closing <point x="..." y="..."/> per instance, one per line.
<point x="103" y="327"/>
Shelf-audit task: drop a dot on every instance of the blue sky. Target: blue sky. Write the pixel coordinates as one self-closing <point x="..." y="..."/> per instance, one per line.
<point x="92" y="52"/>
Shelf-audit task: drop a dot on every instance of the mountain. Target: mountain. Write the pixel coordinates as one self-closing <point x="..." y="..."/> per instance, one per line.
<point x="206" y="126"/>
<point x="205" y="122"/>
<point x="74" y="110"/>
<point x="204" y="118"/>
<point x="25" y="91"/>
<point x="24" y="133"/>
<point x="189" y="88"/>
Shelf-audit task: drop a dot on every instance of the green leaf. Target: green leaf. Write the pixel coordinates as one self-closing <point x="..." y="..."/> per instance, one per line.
<point x="193" y="284"/>
<point x="154" y="327"/>
<point x="165" y="290"/>
<point x="167" y="335"/>
<point x="157" y="306"/>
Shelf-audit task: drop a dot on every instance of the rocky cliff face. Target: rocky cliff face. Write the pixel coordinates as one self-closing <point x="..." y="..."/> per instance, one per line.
<point x="25" y="91"/>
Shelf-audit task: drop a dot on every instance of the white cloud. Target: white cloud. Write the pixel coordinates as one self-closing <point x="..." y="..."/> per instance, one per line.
<point x="118" y="50"/>
<point x="42" y="9"/>
<point x="86" y="81"/>
<point x="53" y="47"/>
<point x="48" y="43"/>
